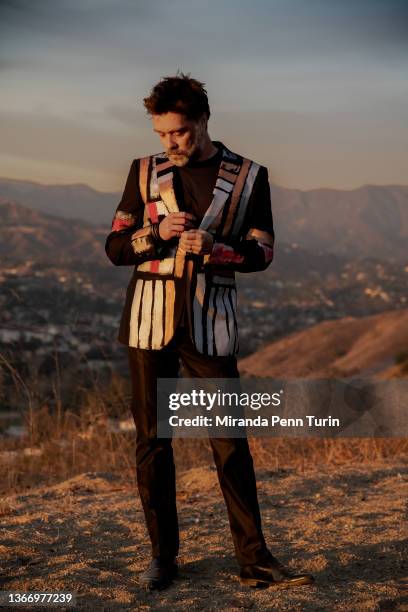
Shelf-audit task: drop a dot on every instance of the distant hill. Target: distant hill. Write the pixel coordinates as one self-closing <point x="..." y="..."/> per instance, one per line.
<point x="29" y="234"/>
<point x="77" y="201"/>
<point x="371" y="221"/>
<point x="369" y="346"/>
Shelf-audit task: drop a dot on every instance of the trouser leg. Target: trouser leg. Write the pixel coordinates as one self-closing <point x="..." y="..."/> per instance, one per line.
<point x="238" y="485"/>
<point x="234" y="463"/>
<point x="155" y="469"/>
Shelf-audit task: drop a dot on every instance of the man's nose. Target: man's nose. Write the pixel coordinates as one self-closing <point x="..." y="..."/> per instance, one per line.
<point x="171" y="142"/>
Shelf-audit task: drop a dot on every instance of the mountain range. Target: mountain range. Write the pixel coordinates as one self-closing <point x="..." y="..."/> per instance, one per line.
<point x="370" y="221"/>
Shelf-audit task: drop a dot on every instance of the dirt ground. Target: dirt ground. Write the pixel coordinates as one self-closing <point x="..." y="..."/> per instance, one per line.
<point x="348" y="526"/>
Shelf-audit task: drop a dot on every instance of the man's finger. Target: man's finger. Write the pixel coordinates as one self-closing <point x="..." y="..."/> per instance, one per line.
<point x="181" y="223"/>
<point x="191" y="237"/>
<point x="183" y="215"/>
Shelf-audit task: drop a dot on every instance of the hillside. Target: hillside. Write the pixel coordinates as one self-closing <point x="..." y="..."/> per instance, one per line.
<point x="67" y="201"/>
<point x="369" y="221"/>
<point x="368" y="346"/>
<point x="26" y="233"/>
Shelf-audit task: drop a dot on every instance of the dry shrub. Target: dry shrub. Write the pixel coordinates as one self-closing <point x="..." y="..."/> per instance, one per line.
<point x="73" y="443"/>
<point x="64" y="441"/>
<point x="307" y="454"/>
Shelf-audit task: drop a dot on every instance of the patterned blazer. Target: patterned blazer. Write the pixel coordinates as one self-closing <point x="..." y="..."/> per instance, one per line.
<point x="165" y="278"/>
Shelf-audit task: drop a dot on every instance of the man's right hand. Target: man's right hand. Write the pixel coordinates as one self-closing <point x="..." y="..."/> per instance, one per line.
<point x="175" y="223"/>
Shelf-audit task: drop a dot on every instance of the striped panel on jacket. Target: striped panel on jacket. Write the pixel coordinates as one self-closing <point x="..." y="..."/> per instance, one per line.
<point x="152" y="314"/>
<point x="212" y="313"/>
<point x="234" y="214"/>
<point x="154" y="211"/>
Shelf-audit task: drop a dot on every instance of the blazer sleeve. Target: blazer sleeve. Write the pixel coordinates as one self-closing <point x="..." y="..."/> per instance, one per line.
<point x="129" y="242"/>
<point x="253" y="253"/>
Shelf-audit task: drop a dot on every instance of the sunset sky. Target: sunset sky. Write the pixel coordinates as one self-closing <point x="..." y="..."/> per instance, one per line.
<point x="316" y="90"/>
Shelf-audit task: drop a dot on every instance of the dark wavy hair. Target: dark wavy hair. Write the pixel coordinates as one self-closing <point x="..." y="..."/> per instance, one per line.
<point x="178" y="94"/>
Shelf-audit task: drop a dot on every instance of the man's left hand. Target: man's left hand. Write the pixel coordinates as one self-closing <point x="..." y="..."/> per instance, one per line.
<point x="196" y="241"/>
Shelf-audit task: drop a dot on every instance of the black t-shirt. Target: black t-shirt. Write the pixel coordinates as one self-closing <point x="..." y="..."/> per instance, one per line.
<point x="194" y="184"/>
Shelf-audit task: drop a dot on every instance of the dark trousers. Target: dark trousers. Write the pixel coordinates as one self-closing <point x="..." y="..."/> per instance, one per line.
<point x="154" y="456"/>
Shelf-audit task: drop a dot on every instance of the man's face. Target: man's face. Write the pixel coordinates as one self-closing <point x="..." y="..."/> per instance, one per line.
<point x="181" y="138"/>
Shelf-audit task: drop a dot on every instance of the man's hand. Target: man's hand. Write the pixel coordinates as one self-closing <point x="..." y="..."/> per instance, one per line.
<point x="174" y="224"/>
<point x="196" y="241"/>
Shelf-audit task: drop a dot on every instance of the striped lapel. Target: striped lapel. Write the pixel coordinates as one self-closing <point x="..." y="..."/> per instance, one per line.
<point x="165" y="182"/>
<point x="227" y="175"/>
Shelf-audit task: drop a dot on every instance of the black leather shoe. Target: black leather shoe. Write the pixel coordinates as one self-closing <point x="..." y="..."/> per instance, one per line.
<point x="272" y="573"/>
<point x="159" y="574"/>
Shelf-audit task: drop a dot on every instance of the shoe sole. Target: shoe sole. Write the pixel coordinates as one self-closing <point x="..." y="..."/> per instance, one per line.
<point x="264" y="584"/>
<point x="151" y="585"/>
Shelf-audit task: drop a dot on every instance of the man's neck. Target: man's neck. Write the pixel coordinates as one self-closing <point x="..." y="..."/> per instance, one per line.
<point x="209" y="150"/>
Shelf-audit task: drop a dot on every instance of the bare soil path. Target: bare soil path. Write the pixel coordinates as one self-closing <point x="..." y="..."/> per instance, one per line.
<point x="347" y="526"/>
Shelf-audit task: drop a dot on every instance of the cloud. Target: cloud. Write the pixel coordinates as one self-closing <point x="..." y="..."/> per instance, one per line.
<point x="91" y="62"/>
<point x="303" y="150"/>
<point x="67" y="18"/>
<point x="236" y="29"/>
<point x="71" y="141"/>
<point x="128" y="116"/>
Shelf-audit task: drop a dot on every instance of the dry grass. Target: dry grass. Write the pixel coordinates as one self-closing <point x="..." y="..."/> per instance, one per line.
<point x="64" y="440"/>
<point x="62" y="443"/>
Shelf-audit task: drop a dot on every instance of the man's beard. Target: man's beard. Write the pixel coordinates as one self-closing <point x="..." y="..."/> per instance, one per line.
<point x="181" y="158"/>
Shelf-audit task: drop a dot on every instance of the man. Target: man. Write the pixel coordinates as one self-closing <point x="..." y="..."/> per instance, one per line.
<point x="188" y="219"/>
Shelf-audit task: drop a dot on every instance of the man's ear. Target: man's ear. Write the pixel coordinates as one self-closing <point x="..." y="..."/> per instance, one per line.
<point x="203" y="121"/>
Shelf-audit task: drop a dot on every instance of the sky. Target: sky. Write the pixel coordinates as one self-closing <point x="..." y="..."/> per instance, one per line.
<point x="316" y="90"/>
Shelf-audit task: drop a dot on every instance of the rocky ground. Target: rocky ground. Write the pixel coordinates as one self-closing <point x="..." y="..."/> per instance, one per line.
<point x="348" y="526"/>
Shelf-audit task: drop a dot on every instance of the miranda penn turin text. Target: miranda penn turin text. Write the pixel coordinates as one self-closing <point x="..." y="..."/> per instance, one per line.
<point x="258" y="421"/>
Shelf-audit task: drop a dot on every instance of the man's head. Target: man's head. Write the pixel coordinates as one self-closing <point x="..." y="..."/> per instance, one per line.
<point x="179" y="109"/>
